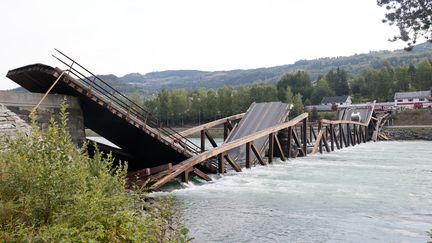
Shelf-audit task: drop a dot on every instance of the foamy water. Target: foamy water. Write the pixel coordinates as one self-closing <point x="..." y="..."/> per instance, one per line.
<point x="374" y="192"/>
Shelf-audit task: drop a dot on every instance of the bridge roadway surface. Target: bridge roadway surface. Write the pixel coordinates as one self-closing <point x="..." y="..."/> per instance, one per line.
<point x="258" y="117"/>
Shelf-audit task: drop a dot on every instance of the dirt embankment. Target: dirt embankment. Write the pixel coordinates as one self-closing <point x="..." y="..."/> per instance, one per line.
<point x="412" y="117"/>
<point x="410" y="125"/>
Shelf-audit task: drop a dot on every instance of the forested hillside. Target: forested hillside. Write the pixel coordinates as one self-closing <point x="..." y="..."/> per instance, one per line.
<point x="152" y="83"/>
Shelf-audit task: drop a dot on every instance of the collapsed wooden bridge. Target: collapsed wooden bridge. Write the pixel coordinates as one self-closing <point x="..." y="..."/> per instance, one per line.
<point x="159" y="154"/>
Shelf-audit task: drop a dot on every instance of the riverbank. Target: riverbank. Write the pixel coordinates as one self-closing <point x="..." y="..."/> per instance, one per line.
<point x="414" y="132"/>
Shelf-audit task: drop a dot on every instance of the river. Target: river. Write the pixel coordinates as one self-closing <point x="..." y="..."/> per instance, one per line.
<point x="374" y="192"/>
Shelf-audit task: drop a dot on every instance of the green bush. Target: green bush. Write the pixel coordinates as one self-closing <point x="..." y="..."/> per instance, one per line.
<point x="50" y="191"/>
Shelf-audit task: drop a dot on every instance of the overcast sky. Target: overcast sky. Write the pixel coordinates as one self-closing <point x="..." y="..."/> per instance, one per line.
<point x="120" y="37"/>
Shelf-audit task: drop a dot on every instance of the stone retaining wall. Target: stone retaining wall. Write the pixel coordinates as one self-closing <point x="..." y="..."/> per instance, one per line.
<point x="11" y="124"/>
<point x="22" y="105"/>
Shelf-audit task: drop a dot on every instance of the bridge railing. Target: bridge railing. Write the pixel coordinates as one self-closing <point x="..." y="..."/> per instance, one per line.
<point x="122" y="102"/>
<point x="219" y="152"/>
<point x="339" y="133"/>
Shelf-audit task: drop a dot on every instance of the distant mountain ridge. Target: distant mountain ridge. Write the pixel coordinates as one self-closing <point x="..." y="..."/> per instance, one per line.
<point x="151" y="83"/>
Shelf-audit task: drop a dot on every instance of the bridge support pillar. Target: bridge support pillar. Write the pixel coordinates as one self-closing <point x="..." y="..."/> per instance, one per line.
<point x="248" y="155"/>
<point x="221" y="164"/>
<point x="304" y="136"/>
<point x="271" y="148"/>
<point x="331" y="137"/>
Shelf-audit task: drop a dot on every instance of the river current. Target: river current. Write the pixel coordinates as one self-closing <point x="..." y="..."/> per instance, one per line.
<point x="373" y="192"/>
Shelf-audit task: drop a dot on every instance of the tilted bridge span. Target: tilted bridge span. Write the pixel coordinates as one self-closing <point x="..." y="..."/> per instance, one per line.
<point x="159" y="154"/>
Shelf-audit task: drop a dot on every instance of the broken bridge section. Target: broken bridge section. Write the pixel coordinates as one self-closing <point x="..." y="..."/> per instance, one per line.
<point x="109" y="113"/>
<point x="258" y="117"/>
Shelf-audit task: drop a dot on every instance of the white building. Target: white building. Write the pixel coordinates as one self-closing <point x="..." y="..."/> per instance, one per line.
<point x="337" y="100"/>
<point x="417" y="99"/>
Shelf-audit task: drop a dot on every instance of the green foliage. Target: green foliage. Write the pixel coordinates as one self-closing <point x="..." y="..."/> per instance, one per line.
<point x="177" y="107"/>
<point x="299" y="82"/>
<point x="412" y="17"/>
<point x="51" y="191"/>
<point x="338" y="81"/>
<point x="298" y="107"/>
<point x="423" y="75"/>
<point x="321" y="90"/>
<point x="314" y="114"/>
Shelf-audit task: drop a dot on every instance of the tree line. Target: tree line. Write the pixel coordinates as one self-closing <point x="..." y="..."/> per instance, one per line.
<point x="180" y="106"/>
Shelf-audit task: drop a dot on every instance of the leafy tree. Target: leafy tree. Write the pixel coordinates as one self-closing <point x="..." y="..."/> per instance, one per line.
<point x="321" y="90"/>
<point x="225" y="98"/>
<point x="211" y="110"/>
<point x="289" y="96"/>
<point x="424" y="75"/>
<point x="402" y="79"/>
<point x="412" y="73"/>
<point x="241" y="100"/>
<point x="299" y="82"/>
<point x="314" y="114"/>
<point x="412" y="17"/>
<point x="338" y="81"/>
<point x="262" y="92"/>
<point x="298" y="107"/>
<point x="179" y="104"/>
<point x="163" y="108"/>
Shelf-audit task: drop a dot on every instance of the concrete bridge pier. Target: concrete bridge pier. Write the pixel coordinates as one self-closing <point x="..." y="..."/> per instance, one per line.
<point x="22" y="103"/>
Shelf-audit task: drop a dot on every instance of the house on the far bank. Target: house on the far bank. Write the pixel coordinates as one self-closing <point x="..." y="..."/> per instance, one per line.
<point x="331" y="103"/>
<point x="416" y="99"/>
<point x="337" y="100"/>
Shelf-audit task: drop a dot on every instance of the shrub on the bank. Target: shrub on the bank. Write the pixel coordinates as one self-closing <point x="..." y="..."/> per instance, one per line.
<point x="51" y="191"/>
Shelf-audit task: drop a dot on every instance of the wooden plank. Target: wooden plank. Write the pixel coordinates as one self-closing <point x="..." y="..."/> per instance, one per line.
<point x="304" y="137"/>
<point x="202" y="140"/>
<point x="226" y="131"/>
<point x="313" y="133"/>
<point x="324" y="139"/>
<point x="210" y="138"/>
<point x="325" y="121"/>
<point x="336" y="141"/>
<point x="331" y="137"/>
<point x="233" y="164"/>
<point x="320" y="128"/>
<point x="248" y="155"/>
<point x="185" y="175"/>
<point x="149" y="171"/>
<point x="221" y="164"/>
<point x="289" y="142"/>
<point x="348" y="131"/>
<point x="201" y="174"/>
<point x="310" y="133"/>
<point x="206" y="126"/>
<point x="279" y="147"/>
<point x="257" y="154"/>
<point x="366" y="134"/>
<point x="317" y="142"/>
<point x="179" y="168"/>
<point x="343" y="137"/>
<point x="270" y="147"/>
<point x="297" y="141"/>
